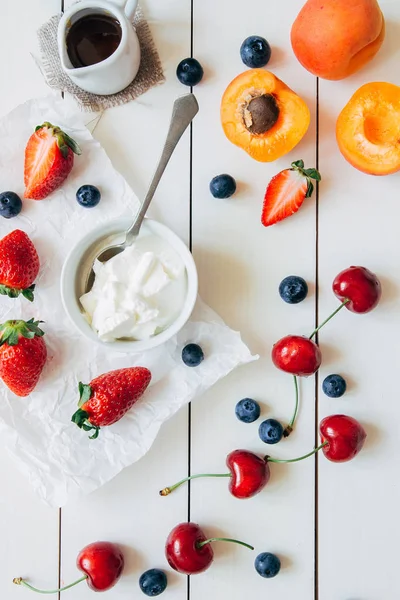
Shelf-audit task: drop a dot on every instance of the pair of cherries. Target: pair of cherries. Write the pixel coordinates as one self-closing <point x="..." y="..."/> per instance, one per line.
<point x="188" y="551"/>
<point x="359" y="291"/>
<point x="342" y="438"/>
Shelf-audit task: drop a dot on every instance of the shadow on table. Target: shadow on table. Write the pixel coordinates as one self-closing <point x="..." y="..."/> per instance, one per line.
<point x="374" y="436"/>
<point x="390" y="291"/>
<point x="390" y="49"/>
<point x="330" y="353"/>
<point x="134" y="560"/>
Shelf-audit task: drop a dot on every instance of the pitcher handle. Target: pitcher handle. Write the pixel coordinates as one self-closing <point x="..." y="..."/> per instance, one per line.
<point x="129" y="6"/>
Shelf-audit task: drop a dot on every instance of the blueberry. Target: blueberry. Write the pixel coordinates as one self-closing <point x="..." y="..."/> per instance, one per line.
<point x="10" y="205"/>
<point x="153" y="582"/>
<point x="270" y="431"/>
<point x="255" y="52"/>
<point x="334" y="386"/>
<point x="247" y="410"/>
<point x="88" y="196"/>
<point x="267" y="565"/>
<point x="192" y="355"/>
<point x="189" y="72"/>
<point x="223" y="186"/>
<point x="293" y="289"/>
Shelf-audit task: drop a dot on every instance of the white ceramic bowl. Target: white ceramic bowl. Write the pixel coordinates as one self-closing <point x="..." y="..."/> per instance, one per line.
<point x="72" y="281"/>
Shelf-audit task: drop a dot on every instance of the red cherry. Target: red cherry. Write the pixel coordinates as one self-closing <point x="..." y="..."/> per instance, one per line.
<point x="250" y="473"/>
<point x="345" y="437"/>
<point x="103" y="563"/>
<point x="297" y="355"/>
<point x="360" y="286"/>
<point x="183" y="552"/>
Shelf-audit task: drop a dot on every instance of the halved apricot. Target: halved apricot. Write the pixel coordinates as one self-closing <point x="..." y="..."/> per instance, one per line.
<point x="368" y="129"/>
<point x="263" y="115"/>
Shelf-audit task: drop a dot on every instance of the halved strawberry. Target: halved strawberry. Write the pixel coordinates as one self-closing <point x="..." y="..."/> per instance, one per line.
<point x="287" y="191"/>
<point x="49" y="158"/>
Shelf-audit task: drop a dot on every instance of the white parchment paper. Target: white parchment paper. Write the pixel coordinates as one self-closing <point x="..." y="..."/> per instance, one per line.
<point x="58" y="458"/>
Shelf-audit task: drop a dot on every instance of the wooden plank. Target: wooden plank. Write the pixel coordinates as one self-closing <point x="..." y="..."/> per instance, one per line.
<point x="128" y="510"/>
<point x="241" y="265"/>
<point x="29" y="529"/>
<point x="358" y="501"/>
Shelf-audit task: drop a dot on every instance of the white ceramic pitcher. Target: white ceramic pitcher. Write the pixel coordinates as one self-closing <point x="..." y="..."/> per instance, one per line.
<point x="117" y="71"/>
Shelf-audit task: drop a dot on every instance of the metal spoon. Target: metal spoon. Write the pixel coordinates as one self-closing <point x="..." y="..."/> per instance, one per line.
<point x="184" y="110"/>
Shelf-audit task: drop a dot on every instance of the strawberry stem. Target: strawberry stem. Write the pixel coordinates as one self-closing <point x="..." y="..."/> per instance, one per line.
<point x="27" y="293"/>
<point x="298" y="459"/>
<point x="64" y="141"/>
<point x="201" y="544"/>
<point x="20" y="581"/>
<point x="289" y="428"/>
<point x="335" y="312"/>
<point x="168" y="490"/>
<point x="309" y="174"/>
<point x="10" y="331"/>
<point x="81" y="419"/>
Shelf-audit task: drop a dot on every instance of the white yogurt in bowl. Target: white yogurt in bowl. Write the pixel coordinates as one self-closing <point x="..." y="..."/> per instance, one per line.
<point x="141" y="298"/>
<point x="138" y="293"/>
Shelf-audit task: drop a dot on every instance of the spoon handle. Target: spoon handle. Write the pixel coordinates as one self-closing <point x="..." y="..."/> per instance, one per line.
<point x="185" y="109"/>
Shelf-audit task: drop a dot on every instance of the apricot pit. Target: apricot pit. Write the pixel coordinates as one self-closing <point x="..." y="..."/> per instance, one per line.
<point x="263" y="114"/>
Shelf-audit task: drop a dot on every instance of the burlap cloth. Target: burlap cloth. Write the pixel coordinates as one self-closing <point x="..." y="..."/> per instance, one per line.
<point x="150" y="71"/>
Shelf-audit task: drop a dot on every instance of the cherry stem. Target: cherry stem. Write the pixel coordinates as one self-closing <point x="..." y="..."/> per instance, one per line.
<point x="335" y="312"/>
<point x="292" y="460"/>
<point x="166" y="491"/>
<point x="201" y="544"/>
<point x="289" y="428"/>
<point x="20" y="581"/>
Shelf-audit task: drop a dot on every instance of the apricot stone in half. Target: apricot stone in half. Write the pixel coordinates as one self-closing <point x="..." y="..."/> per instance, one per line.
<point x="262" y="115"/>
<point x="368" y="129"/>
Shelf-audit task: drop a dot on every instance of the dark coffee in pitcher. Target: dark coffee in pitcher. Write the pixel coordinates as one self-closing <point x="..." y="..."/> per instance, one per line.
<point x="92" y="39"/>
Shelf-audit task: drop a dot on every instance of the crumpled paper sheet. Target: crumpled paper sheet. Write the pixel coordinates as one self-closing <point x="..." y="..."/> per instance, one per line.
<point x="58" y="458"/>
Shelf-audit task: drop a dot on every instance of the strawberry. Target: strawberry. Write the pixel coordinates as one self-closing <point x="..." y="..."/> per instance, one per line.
<point x="19" y="265"/>
<point x="108" y="397"/>
<point x="49" y="158"/>
<point x="23" y="355"/>
<point x="287" y="191"/>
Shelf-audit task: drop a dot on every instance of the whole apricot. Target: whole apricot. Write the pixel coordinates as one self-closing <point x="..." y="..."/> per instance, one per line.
<point x="335" y="38"/>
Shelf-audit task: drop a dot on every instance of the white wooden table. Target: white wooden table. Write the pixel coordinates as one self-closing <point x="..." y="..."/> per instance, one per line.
<point x="336" y="527"/>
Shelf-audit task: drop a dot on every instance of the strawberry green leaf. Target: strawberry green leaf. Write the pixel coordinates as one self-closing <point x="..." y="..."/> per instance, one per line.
<point x="63" y="147"/>
<point x="10" y="292"/>
<point x="15" y="292"/>
<point x="63" y="139"/>
<point x="9" y="335"/>
<point x="96" y="433"/>
<point x="85" y="392"/>
<point x="313" y="174"/>
<point x="72" y="144"/>
<point x="298" y="164"/>
<point x="28" y="293"/>
<point x="80" y="418"/>
<point x="310" y="189"/>
<point x="33" y="327"/>
<point x="11" y="331"/>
